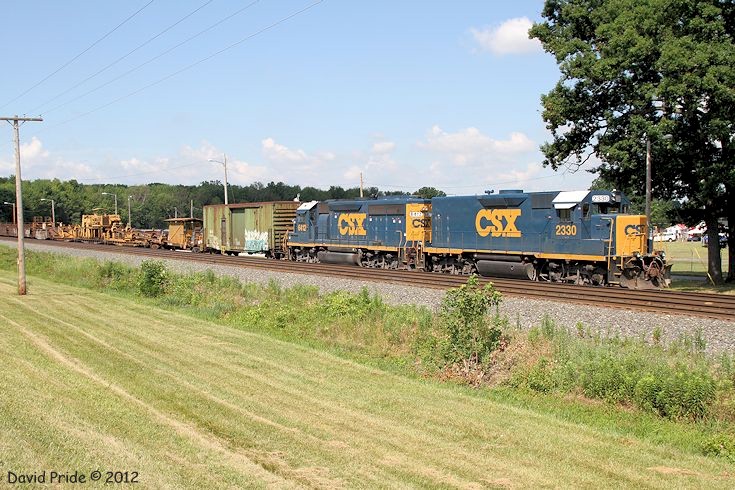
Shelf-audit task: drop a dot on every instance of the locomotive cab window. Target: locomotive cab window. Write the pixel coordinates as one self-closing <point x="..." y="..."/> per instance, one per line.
<point x="586" y="210"/>
<point x="564" y="214"/>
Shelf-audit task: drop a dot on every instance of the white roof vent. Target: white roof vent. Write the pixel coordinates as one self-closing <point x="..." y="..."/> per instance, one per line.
<point x="307" y="206"/>
<point x="569" y="199"/>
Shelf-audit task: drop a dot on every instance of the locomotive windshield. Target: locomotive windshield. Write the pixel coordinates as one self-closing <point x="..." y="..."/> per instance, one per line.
<point x="604" y="208"/>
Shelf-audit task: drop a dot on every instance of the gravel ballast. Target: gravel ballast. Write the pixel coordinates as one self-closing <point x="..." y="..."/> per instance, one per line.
<point x="523" y="312"/>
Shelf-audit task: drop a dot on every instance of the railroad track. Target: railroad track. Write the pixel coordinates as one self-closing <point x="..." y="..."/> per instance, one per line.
<point x="716" y="306"/>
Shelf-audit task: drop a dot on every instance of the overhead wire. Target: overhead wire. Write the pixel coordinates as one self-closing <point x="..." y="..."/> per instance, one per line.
<point x="188" y="67"/>
<point x="192" y="65"/>
<point x="118" y="60"/>
<point x="79" y="55"/>
<point x="151" y="60"/>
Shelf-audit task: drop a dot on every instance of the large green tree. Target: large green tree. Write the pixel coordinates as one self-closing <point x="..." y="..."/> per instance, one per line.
<point x="429" y="192"/>
<point x="647" y="70"/>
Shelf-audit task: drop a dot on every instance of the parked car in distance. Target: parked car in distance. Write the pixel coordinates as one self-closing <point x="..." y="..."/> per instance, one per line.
<point x="723" y="239"/>
<point x="667" y="236"/>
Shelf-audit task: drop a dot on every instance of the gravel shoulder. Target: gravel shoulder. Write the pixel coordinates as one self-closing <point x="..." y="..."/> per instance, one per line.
<point x="719" y="335"/>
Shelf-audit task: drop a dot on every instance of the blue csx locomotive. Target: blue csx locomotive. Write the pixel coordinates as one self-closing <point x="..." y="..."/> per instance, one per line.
<point x="579" y="237"/>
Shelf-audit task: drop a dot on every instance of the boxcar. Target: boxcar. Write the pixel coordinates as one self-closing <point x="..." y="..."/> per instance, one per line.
<point x="257" y="227"/>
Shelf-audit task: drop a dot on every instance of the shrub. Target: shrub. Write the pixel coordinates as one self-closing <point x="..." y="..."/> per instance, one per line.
<point x="539" y="377"/>
<point x="463" y="319"/>
<point x="153" y="278"/>
<point x="720" y="445"/>
<point x="675" y="386"/>
<point x="115" y="275"/>
<point x="342" y="304"/>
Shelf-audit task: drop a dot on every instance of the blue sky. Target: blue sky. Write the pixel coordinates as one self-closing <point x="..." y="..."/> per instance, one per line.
<point x="410" y="93"/>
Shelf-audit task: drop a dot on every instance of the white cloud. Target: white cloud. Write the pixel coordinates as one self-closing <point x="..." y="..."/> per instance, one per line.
<point x="470" y="146"/>
<point x="297" y="166"/>
<point x="280" y="153"/>
<point x="510" y="37"/>
<point x="519" y="176"/>
<point x="192" y="166"/>
<point x="33" y="152"/>
<point x="353" y="173"/>
<point x="379" y="163"/>
<point x="465" y="161"/>
<point x="39" y="163"/>
<point x="382" y="147"/>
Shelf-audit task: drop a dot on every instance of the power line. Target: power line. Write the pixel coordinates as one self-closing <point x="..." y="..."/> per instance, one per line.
<point x="151" y="60"/>
<point x="192" y="65"/>
<point x="123" y="56"/>
<point x="80" y="54"/>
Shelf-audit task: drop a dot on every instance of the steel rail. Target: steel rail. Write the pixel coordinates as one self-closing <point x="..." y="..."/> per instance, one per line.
<point x="707" y="305"/>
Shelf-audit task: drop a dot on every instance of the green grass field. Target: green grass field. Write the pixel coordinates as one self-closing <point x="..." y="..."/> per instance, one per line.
<point x="98" y="382"/>
<point x="689" y="257"/>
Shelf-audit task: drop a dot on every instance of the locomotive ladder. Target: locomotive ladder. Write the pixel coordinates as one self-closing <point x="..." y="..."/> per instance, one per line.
<point x="417" y="248"/>
<point x="610" y="251"/>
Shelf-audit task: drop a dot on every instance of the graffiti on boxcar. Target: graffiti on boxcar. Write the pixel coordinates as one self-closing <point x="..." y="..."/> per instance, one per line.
<point x="256" y="240"/>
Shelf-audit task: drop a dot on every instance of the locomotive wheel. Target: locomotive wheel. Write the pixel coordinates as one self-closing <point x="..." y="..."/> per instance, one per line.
<point x="542" y="272"/>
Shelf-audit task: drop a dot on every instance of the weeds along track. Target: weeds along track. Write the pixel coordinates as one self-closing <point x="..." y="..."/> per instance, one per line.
<point x="716" y="306"/>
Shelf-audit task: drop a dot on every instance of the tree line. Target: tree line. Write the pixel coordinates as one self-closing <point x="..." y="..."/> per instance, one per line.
<point x="151" y="204"/>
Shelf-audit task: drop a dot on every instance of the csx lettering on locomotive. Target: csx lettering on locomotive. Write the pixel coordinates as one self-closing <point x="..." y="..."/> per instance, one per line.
<point x="498" y="222"/>
<point x="352" y="224"/>
<point x="634" y="229"/>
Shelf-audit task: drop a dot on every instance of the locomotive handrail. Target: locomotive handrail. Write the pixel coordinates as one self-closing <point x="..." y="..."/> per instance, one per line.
<point x="609" y="243"/>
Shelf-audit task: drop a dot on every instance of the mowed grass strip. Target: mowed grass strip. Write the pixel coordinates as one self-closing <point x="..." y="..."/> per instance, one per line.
<point x="92" y="381"/>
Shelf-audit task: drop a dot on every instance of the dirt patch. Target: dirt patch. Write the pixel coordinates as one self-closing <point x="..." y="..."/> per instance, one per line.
<point x="517" y="353"/>
<point x="668" y="470"/>
<point x="499" y="483"/>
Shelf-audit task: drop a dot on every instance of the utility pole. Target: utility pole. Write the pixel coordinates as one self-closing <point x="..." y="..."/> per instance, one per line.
<point x="130" y="225"/>
<point x="648" y="185"/>
<point x="16" y="122"/>
<point x="113" y="195"/>
<point x="224" y="164"/>
<point x="191" y="209"/>
<point x="15" y="216"/>
<point x="53" y="210"/>
<point x="360" y="184"/>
